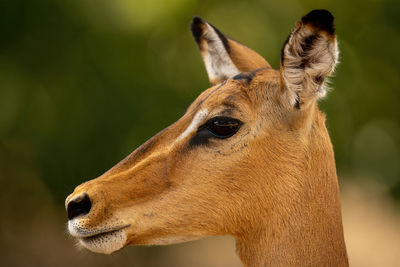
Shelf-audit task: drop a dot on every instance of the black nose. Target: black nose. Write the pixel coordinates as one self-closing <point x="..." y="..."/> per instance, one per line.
<point x="78" y="206"/>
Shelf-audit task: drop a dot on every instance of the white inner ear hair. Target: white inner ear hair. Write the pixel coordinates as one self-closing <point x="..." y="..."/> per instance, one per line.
<point x="218" y="63"/>
<point x="307" y="63"/>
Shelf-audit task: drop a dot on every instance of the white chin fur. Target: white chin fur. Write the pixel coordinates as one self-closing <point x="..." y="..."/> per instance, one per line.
<point x="104" y="240"/>
<point x="106" y="243"/>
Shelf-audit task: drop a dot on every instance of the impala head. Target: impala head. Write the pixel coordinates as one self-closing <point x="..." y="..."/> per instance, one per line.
<point x="234" y="155"/>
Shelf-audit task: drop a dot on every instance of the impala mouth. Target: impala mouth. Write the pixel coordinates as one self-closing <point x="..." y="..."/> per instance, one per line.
<point x="101" y="241"/>
<point x="101" y="234"/>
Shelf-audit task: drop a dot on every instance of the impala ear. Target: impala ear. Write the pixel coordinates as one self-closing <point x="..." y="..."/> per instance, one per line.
<point x="308" y="57"/>
<point x="223" y="57"/>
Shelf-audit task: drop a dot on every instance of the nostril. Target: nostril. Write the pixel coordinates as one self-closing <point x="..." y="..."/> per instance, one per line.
<point x="78" y="206"/>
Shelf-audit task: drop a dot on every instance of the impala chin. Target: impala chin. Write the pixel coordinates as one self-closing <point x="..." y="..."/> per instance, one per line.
<point x="105" y="240"/>
<point x="105" y="243"/>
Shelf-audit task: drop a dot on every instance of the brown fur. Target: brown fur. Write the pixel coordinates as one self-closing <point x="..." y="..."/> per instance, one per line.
<point x="272" y="185"/>
<point x="245" y="59"/>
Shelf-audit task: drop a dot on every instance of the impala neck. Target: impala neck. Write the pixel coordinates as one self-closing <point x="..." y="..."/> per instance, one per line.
<point x="305" y="228"/>
<point x="317" y="244"/>
<point x="305" y="241"/>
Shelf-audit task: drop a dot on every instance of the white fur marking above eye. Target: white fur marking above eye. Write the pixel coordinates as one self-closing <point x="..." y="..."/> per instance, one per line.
<point x="216" y="58"/>
<point x="198" y="118"/>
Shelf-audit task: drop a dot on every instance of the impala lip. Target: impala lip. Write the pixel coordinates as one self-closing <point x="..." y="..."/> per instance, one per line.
<point x="103" y="232"/>
<point x="100" y="234"/>
<point x="79" y="232"/>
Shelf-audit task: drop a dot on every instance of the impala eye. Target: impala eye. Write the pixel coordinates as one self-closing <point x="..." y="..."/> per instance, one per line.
<point x="223" y="127"/>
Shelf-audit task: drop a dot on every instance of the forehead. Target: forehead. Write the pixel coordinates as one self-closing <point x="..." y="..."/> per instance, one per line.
<point x="247" y="89"/>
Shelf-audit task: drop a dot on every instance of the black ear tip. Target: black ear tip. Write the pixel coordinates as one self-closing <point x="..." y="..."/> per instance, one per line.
<point x="197" y="28"/>
<point x="197" y="19"/>
<point x="321" y="19"/>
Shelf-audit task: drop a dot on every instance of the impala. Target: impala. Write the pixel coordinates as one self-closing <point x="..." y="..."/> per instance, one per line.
<point x="251" y="158"/>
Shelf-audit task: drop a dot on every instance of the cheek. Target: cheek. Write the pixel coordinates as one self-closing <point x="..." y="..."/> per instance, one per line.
<point x="228" y="151"/>
<point x="215" y="167"/>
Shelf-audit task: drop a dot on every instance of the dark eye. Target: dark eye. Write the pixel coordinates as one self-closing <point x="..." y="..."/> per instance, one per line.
<point x="223" y="127"/>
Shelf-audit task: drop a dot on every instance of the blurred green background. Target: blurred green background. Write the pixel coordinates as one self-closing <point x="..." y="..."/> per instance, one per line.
<point x="83" y="83"/>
